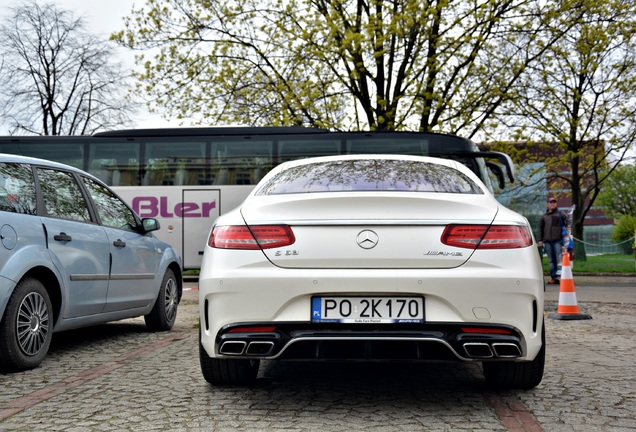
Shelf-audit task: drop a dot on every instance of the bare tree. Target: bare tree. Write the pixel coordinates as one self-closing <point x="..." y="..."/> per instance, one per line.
<point x="57" y="78"/>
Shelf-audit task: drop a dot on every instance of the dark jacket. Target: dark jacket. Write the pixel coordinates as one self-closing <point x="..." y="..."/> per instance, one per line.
<point x="551" y="226"/>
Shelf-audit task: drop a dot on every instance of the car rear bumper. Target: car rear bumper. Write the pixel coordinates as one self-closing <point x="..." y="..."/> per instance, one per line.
<point x="481" y="295"/>
<point x="308" y="341"/>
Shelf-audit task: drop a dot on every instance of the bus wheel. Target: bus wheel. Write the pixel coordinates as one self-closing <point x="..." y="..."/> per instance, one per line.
<point x="26" y="328"/>
<point x="164" y="313"/>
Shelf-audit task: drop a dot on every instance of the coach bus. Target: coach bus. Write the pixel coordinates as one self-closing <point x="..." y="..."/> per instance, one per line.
<point x="186" y="177"/>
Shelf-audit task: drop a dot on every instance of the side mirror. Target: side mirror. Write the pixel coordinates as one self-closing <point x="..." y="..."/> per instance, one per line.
<point x="150" y="224"/>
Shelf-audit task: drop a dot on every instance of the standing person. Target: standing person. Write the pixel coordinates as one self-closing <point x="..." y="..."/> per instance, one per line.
<point x="551" y="236"/>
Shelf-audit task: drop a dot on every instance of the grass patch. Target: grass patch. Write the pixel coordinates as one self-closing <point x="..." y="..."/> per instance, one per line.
<point x="611" y="263"/>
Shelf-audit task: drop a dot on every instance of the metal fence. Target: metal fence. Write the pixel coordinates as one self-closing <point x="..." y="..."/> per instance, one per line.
<point x="598" y="241"/>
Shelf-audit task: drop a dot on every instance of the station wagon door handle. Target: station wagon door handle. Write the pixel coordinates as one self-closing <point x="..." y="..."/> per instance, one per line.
<point x="62" y="237"/>
<point x="119" y="243"/>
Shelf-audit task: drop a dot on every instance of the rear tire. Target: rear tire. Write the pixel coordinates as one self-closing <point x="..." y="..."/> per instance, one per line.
<point x="228" y="372"/>
<point x="164" y="313"/>
<point x="26" y="328"/>
<point x="516" y="375"/>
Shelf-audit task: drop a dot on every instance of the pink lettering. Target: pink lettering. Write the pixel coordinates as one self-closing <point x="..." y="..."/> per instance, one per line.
<point x="163" y="207"/>
<point x="145" y="207"/>
<point x="207" y="208"/>
<point x="152" y="207"/>
<point x="187" y="209"/>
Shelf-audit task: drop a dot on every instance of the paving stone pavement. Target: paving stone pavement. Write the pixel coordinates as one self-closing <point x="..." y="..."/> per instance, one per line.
<point x="118" y="377"/>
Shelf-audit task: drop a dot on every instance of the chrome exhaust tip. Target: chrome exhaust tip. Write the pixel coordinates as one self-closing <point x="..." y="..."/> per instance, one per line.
<point x="233" y="348"/>
<point x="261" y="348"/>
<point x="478" y="350"/>
<point x="506" y="350"/>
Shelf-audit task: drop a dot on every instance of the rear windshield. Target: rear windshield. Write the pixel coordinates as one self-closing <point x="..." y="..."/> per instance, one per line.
<point x="369" y="175"/>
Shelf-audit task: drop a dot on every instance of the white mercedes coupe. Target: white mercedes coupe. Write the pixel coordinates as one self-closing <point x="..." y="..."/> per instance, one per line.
<point x="372" y="258"/>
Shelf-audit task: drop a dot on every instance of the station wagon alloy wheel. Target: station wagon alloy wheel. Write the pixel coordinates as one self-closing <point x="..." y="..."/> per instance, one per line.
<point x="172" y="300"/>
<point x="26" y="329"/>
<point x="164" y="313"/>
<point x="32" y="324"/>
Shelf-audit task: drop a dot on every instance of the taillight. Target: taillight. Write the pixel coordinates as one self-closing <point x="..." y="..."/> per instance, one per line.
<point x="253" y="237"/>
<point x="487" y="330"/>
<point x="487" y="236"/>
<point x="263" y="329"/>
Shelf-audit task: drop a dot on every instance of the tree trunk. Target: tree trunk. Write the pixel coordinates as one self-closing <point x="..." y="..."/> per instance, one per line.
<point x="579" y="247"/>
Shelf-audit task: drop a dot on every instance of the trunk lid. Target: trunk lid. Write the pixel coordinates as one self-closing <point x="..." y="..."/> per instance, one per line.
<point x="360" y="230"/>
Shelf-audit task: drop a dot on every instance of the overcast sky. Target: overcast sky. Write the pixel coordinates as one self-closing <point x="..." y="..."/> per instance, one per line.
<point x="103" y="17"/>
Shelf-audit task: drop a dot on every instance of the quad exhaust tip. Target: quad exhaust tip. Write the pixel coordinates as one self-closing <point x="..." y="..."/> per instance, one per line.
<point x="506" y="350"/>
<point x="236" y="348"/>
<point x="260" y="348"/>
<point x="482" y="350"/>
<point x="233" y="347"/>
<point x="478" y="350"/>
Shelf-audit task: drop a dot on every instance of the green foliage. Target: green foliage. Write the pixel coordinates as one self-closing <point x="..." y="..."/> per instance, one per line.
<point x="618" y="196"/>
<point x="624" y="232"/>
<point x="403" y="65"/>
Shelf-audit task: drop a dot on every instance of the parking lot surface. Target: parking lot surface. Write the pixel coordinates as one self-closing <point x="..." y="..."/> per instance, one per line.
<point x="119" y="377"/>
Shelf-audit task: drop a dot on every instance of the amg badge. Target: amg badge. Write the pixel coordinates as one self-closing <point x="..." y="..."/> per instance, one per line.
<point x="444" y="253"/>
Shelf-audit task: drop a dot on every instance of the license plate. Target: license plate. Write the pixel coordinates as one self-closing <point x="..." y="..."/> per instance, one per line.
<point x="367" y="310"/>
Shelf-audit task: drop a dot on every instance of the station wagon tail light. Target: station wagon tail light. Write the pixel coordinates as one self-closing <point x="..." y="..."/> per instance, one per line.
<point x="487" y="236"/>
<point x="251" y="237"/>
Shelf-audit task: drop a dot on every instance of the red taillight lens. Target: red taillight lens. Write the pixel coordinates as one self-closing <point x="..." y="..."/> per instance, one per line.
<point x="487" y="236"/>
<point x="253" y="237"/>
<point x="464" y="236"/>
<point x="486" y="330"/>
<point x="266" y="329"/>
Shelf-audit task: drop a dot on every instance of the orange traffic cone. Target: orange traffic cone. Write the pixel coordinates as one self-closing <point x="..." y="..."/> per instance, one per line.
<point x="568" y="307"/>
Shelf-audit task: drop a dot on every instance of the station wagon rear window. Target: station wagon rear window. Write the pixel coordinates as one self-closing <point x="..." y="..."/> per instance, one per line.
<point x="374" y="175"/>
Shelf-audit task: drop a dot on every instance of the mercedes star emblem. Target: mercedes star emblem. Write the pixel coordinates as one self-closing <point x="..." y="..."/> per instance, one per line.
<point x="367" y="239"/>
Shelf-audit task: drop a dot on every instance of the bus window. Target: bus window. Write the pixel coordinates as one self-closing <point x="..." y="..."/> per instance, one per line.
<point x="67" y="153"/>
<point x="174" y="163"/>
<point x="240" y="162"/>
<point x="116" y="164"/>
<point x="415" y="147"/>
<point x="299" y="149"/>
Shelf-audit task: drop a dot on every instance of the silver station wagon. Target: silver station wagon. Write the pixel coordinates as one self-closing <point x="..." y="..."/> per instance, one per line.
<point x="73" y="254"/>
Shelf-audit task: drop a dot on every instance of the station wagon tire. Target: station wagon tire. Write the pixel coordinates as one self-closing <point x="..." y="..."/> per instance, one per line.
<point x="26" y="328"/>
<point x="228" y="372"/>
<point x="164" y="313"/>
<point x="516" y="375"/>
